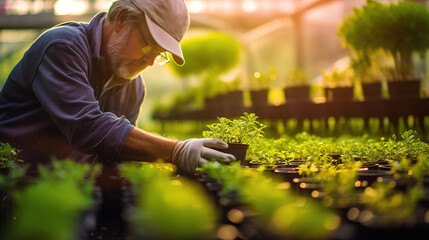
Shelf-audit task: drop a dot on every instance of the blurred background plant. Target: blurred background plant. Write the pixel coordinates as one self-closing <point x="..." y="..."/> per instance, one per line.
<point x="168" y="208"/>
<point x="376" y="26"/>
<point x="52" y="206"/>
<point x="260" y="80"/>
<point x="296" y="77"/>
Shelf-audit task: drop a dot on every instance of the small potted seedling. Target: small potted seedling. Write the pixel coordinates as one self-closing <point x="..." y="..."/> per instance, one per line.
<point x="238" y="133"/>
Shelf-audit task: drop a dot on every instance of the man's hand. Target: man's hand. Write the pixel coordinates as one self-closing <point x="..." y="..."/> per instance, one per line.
<point x="193" y="153"/>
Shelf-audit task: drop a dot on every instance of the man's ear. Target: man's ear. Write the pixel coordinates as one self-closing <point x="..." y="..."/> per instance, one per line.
<point x="120" y="20"/>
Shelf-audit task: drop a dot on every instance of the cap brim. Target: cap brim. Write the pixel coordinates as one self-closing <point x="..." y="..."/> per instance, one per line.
<point x="166" y="41"/>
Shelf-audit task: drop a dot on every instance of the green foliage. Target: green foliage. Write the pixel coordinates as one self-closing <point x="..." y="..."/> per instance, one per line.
<point x="50" y="208"/>
<point x="214" y="52"/>
<point x="398" y="28"/>
<point x="240" y="130"/>
<point x="81" y="174"/>
<point x="391" y="206"/>
<point x="278" y="210"/>
<point x="231" y="178"/>
<point x="269" y="156"/>
<point x="168" y="209"/>
<point x="8" y="156"/>
<point x="8" y="63"/>
<point x="357" y="31"/>
<point x="406" y="153"/>
<point x="337" y="78"/>
<point x="338" y="182"/>
<point x="212" y="85"/>
<point x="141" y="174"/>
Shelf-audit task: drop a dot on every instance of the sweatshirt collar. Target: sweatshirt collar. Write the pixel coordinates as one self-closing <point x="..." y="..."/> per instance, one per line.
<point x="95" y="31"/>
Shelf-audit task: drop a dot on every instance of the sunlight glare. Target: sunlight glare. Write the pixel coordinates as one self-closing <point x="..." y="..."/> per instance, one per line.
<point x="71" y="7"/>
<point x="20" y="7"/>
<point x="196" y="6"/>
<point x="249" y="6"/>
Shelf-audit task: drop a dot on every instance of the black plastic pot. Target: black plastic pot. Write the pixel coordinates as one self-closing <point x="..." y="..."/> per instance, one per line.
<point x="239" y="150"/>
<point x="259" y="98"/>
<point x="370" y="166"/>
<point x="404" y="89"/>
<point x="297" y="94"/>
<point x="295" y="163"/>
<point x="260" y="103"/>
<point x="253" y="164"/>
<point x="372" y="175"/>
<point x="287" y="174"/>
<point x="339" y="94"/>
<point x="371" y="91"/>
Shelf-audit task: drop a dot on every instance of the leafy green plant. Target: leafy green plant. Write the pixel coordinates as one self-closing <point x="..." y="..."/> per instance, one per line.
<point x="214" y="52"/>
<point x="278" y="210"/>
<point x="240" y="130"/>
<point x="370" y="68"/>
<point x="338" y="183"/>
<point x="376" y="26"/>
<point x="168" y="208"/>
<point x="8" y="156"/>
<point x="48" y="210"/>
<point x="270" y="157"/>
<point x="140" y="173"/>
<point x="231" y="178"/>
<point x="81" y="174"/>
<point x="50" y="207"/>
<point x="390" y="206"/>
<point x="208" y="56"/>
<point x="337" y="78"/>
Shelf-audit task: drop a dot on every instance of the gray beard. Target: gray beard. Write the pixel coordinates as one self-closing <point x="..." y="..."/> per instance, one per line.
<point x="118" y="65"/>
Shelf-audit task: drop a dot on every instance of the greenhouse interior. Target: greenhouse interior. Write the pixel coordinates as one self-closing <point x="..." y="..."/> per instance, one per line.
<point x="319" y="106"/>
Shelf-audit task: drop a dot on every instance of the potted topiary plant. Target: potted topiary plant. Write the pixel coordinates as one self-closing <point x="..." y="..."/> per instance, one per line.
<point x="208" y="57"/>
<point x="397" y="28"/>
<point x="237" y="133"/>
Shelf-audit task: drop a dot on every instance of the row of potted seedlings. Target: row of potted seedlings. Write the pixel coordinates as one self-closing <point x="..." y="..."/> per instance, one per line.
<point x="232" y="104"/>
<point x="300" y="187"/>
<point x="372" y="183"/>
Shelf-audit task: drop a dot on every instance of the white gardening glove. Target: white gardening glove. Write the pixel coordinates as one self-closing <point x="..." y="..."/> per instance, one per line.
<point x="192" y="153"/>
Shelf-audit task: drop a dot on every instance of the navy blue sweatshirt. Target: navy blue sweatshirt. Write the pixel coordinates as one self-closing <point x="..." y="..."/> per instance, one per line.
<point x="52" y="103"/>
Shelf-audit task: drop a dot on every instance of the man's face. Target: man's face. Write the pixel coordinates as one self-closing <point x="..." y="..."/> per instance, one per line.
<point x="125" y="51"/>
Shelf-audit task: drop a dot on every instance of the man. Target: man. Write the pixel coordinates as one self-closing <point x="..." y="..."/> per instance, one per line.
<point x="77" y="90"/>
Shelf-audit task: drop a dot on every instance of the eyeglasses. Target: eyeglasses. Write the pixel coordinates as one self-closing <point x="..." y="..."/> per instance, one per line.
<point x="161" y="56"/>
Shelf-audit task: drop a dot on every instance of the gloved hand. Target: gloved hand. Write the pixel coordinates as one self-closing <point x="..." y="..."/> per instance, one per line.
<point x="193" y="153"/>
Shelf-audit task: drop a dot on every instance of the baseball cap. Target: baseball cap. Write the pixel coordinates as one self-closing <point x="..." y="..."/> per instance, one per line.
<point x="167" y="21"/>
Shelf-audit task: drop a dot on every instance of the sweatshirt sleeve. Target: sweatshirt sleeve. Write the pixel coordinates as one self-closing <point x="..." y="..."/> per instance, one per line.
<point x="61" y="84"/>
